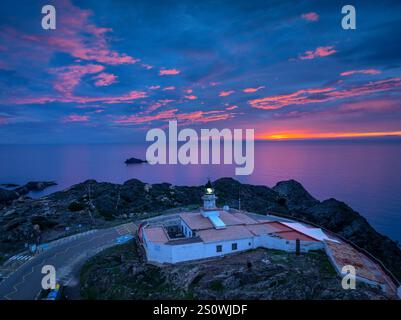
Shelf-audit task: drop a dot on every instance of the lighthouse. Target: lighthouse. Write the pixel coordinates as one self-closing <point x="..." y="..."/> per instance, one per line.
<point x="209" y="198"/>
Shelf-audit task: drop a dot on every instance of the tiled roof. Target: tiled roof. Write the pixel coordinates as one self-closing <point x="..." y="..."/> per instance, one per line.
<point x="155" y="234"/>
<point x="198" y="222"/>
<point x="343" y="254"/>
<point x="262" y="228"/>
<point x="230" y="233"/>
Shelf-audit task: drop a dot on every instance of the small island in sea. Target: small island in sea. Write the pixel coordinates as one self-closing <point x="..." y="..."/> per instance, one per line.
<point x="134" y="161"/>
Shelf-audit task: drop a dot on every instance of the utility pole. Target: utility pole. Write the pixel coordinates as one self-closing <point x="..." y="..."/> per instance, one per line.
<point x="239" y="198"/>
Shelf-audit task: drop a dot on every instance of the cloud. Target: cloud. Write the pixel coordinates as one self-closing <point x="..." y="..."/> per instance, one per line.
<point x="128" y="97"/>
<point x="104" y="79"/>
<point x="167" y="115"/>
<point x="154" y="87"/>
<point x="310" y="16"/>
<point x="226" y="93"/>
<point x="146" y="66"/>
<point x="168" y="88"/>
<point x="157" y="105"/>
<point x="79" y="38"/>
<point x="363" y="71"/>
<point x="75" y="118"/>
<point x="191" y="97"/>
<point x="252" y="90"/>
<point x="231" y="107"/>
<point x="169" y="72"/>
<point x="320" y="95"/>
<point x="318" y="52"/>
<point x="69" y="77"/>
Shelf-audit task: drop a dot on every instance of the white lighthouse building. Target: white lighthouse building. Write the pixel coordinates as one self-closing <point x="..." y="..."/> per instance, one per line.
<point x="212" y="232"/>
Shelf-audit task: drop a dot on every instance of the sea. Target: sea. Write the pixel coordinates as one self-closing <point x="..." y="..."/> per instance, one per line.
<point x="364" y="174"/>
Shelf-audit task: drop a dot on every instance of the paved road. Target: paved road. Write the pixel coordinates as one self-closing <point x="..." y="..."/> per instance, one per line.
<point x="25" y="282"/>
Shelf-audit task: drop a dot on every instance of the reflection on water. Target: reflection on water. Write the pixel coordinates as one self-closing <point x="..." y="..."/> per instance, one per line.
<point x="366" y="175"/>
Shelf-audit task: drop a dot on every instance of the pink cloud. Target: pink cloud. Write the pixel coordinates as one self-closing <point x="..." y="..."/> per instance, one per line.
<point x="232" y="108"/>
<point x="104" y="79"/>
<point x="169" y="88"/>
<point x="318" y="52"/>
<point x="78" y="37"/>
<point x="69" y="77"/>
<point x="191" y="97"/>
<point x="154" y="87"/>
<point x="76" y="118"/>
<point x="132" y="95"/>
<point x="226" y="93"/>
<point x="252" y="90"/>
<point x="188" y="118"/>
<point x="319" y="95"/>
<point x="157" y="105"/>
<point x="189" y="91"/>
<point x="311" y="16"/>
<point x="363" y="71"/>
<point x="169" y="72"/>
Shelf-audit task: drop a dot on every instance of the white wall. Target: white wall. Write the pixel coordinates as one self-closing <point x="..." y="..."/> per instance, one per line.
<point x="269" y="242"/>
<point x="163" y="253"/>
<point x="185" y="229"/>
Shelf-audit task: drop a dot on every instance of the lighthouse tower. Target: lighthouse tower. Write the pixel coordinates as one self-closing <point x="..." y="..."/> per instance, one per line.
<point x="209" y="198"/>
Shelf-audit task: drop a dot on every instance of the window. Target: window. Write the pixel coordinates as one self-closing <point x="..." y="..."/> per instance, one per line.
<point x="219" y="248"/>
<point x="234" y="246"/>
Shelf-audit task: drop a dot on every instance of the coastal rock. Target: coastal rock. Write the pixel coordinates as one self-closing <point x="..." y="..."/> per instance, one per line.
<point x="100" y="202"/>
<point x="295" y="195"/>
<point x="7" y="196"/>
<point x="134" y="161"/>
<point x="34" y="186"/>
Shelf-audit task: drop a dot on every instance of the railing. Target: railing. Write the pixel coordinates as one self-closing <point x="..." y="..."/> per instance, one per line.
<point x="386" y="271"/>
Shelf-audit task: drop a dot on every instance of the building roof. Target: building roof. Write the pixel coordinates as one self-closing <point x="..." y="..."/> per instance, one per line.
<point x="196" y="221"/>
<point x="315" y="233"/>
<point x="294" y="235"/>
<point x="262" y="228"/>
<point x="229" y="233"/>
<point x="237" y="226"/>
<point x="343" y="254"/>
<point x="155" y="234"/>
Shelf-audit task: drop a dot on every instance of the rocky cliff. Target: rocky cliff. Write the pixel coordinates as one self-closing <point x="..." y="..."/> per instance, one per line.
<point x="93" y="204"/>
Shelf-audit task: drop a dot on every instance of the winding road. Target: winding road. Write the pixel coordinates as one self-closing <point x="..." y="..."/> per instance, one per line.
<point x="66" y="255"/>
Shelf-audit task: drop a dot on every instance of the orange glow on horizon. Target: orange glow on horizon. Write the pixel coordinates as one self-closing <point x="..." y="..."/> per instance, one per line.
<point x="325" y="135"/>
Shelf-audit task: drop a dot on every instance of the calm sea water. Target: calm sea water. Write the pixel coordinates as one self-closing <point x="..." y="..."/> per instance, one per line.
<point x="365" y="175"/>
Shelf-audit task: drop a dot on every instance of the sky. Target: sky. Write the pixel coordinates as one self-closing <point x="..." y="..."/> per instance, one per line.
<point x="112" y="70"/>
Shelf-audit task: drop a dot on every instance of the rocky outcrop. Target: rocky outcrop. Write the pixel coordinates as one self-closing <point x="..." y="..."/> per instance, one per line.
<point x="295" y="195"/>
<point x="120" y="273"/>
<point x="34" y="186"/>
<point x="7" y="196"/>
<point x="93" y="204"/>
<point x="134" y="161"/>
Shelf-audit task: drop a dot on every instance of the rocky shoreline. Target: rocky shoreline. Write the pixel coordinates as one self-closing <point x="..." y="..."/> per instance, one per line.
<point x="94" y="204"/>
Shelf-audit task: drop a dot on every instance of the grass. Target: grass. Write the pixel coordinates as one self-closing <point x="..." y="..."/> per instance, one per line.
<point x="216" y="285"/>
